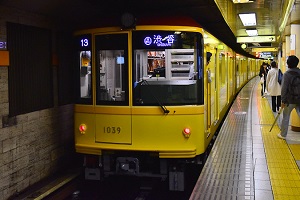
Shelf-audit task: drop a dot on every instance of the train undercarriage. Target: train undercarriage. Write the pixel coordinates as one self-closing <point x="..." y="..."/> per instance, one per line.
<point x="141" y="165"/>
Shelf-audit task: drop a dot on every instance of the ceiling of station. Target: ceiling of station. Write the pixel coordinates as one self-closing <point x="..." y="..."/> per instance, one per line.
<point x="80" y="13"/>
<point x="269" y="14"/>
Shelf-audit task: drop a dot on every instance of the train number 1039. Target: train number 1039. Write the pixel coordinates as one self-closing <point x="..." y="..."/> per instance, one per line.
<point x="112" y="129"/>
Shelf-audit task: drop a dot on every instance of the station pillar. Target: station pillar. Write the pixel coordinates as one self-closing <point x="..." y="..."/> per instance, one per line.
<point x="287" y="50"/>
<point x="283" y="56"/>
<point x="295" y="50"/>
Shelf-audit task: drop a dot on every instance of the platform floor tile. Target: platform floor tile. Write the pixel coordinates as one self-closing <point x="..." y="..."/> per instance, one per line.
<point x="248" y="161"/>
<point x="282" y="166"/>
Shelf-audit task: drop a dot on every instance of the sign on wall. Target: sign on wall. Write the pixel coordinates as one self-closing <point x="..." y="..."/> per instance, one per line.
<point x="2" y="45"/>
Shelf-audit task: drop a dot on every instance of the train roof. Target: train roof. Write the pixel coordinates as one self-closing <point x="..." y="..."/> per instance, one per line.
<point x="168" y="21"/>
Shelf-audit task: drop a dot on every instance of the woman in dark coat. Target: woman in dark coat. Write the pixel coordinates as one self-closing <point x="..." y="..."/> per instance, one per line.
<point x="263" y="73"/>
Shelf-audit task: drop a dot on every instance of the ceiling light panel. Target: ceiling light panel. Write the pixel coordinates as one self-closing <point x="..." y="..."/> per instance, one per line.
<point x="251" y="32"/>
<point x="248" y="19"/>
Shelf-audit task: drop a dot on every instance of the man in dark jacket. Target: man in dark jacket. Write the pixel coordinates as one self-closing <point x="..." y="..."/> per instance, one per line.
<point x="288" y="103"/>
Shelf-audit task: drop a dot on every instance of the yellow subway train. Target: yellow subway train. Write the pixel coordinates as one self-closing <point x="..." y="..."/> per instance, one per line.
<point x="151" y="96"/>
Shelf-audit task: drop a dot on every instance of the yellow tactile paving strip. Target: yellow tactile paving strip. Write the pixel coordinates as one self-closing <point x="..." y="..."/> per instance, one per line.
<point x="283" y="170"/>
<point x="295" y="148"/>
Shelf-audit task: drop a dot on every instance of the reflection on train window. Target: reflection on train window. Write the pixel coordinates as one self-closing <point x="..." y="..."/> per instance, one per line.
<point x="156" y="64"/>
<point x="85" y="75"/>
<point x="166" y="70"/>
<point x="111" y="63"/>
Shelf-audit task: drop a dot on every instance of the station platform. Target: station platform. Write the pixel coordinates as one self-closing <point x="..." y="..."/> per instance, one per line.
<point x="248" y="161"/>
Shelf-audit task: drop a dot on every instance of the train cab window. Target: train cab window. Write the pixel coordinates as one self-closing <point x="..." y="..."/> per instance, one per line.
<point x="167" y="68"/>
<point x="84" y="70"/>
<point x="85" y="75"/>
<point x="112" y="69"/>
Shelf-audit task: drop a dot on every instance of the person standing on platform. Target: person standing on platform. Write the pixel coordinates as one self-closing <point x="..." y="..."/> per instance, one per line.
<point x="263" y="73"/>
<point x="273" y="86"/>
<point x="288" y="100"/>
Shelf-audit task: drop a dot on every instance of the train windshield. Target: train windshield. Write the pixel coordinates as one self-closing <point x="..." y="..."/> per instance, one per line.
<point x="167" y="68"/>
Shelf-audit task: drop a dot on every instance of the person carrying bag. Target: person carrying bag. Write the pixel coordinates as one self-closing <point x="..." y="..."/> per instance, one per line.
<point x="290" y="94"/>
<point x="263" y="75"/>
<point x="273" y="86"/>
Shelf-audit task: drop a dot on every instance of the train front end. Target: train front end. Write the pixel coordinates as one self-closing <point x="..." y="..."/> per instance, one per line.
<point x="140" y="107"/>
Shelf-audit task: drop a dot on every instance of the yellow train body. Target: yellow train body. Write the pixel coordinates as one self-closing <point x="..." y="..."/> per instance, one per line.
<point x="148" y="106"/>
<point x="143" y="129"/>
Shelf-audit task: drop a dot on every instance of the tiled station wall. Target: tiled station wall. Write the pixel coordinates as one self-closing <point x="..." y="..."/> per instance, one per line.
<point x="40" y="143"/>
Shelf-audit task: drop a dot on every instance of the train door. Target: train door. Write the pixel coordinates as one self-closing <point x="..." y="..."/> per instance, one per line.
<point x="222" y="82"/>
<point x="230" y="77"/>
<point x="210" y="95"/>
<point x="214" y="117"/>
<point x="208" y="92"/>
<point x="112" y="95"/>
<point x="238" y="73"/>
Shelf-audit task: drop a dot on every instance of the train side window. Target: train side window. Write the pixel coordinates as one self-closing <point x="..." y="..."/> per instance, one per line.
<point x="112" y="69"/>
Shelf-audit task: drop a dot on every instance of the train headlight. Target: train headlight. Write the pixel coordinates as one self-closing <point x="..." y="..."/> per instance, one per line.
<point x="186" y="132"/>
<point x="82" y="128"/>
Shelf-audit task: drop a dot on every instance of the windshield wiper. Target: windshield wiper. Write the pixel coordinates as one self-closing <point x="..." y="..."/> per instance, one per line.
<point x="163" y="107"/>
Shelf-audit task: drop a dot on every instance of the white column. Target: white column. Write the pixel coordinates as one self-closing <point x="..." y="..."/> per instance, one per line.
<point x="295" y="50"/>
<point x="287" y="49"/>
<point x="283" y="51"/>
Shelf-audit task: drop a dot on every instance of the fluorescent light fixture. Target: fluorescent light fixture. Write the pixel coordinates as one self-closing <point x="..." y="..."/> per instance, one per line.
<point x="252" y="32"/>
<point x="242" y="1"/>
<point x="288" y="10"/>
<point x="248" y="19"/>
